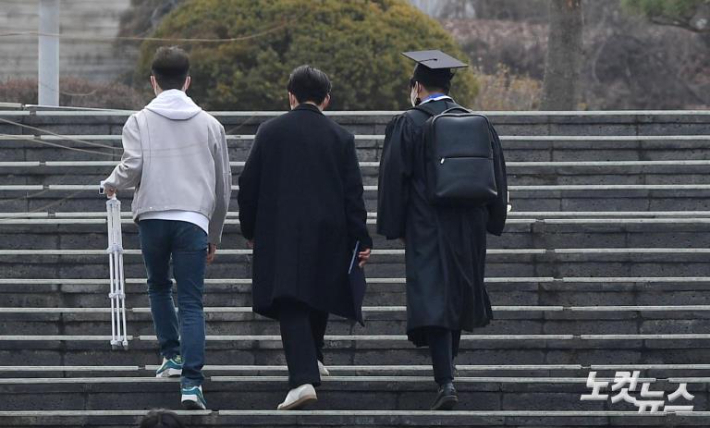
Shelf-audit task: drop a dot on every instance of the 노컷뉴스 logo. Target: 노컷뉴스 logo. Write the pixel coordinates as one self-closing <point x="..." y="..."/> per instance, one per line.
<point x="625" y="387"/>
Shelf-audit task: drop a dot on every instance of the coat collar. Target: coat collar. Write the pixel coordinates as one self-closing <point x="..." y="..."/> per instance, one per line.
<point x="309" y="107"/>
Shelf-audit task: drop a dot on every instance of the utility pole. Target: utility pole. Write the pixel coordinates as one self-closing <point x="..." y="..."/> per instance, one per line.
<point x="48" y="64"/>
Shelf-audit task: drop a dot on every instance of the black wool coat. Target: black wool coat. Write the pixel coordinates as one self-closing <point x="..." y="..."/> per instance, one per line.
<point x="301" y="201"/>
<point x="445" y="246"/>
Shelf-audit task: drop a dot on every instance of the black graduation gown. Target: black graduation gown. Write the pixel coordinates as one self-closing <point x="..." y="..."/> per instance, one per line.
<point x="301" y="200"/>
<point x="445" y="246"/>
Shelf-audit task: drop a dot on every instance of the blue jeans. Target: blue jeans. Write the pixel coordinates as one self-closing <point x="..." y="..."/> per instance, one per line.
<point x="183" y="333"/>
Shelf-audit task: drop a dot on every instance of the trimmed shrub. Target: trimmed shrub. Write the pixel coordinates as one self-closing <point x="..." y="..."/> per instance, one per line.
<point x="358" y="43"/>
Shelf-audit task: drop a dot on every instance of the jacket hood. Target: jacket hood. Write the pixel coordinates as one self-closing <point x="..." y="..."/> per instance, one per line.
<point x="174" y="104"/>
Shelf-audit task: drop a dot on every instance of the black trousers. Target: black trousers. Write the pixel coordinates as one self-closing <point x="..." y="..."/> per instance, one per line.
<point x="444" y="346"/>
<point x="302" y="335"/>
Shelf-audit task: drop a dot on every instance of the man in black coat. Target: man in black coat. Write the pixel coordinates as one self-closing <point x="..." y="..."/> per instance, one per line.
<point x="302" y="210"/>
<point x="445" y="245"/>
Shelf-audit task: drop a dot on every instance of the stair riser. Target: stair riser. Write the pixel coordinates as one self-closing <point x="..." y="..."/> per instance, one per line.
<point x="365" y="122"/>
<point x="589" y="200"/>
<point x="592" y="200"/>
<point x="532" y="177"/>
<point x="270" y="353"/>
<point x="463" y="420"/>
<point x="383" y="295"/>
<point x="498" y="265"/>
<point x="248" y="325"/>
<point x="518" y="235"/>
<point x="370" y="150"/>
<point x="249" y="395"/>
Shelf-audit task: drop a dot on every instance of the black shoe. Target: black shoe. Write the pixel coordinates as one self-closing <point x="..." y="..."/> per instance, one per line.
<point x="447" y="398"/>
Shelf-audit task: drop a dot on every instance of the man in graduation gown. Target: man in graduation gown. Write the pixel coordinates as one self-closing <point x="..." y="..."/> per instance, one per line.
<point x="445" y="246"/>
<point x="301" y="208"/>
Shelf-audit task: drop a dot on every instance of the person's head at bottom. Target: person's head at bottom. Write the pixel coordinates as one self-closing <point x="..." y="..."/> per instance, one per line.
<point x="161" y="418"/>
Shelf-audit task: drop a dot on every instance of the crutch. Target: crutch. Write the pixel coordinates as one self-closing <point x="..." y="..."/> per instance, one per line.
<point x="117" y="293"/>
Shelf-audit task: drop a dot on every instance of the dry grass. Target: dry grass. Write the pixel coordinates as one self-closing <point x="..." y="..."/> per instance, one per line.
<point x="506" y="91"/>
<point x="75" y="93"/>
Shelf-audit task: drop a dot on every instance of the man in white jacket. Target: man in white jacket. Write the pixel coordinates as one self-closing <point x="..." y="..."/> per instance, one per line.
<point x="175" y="155"/>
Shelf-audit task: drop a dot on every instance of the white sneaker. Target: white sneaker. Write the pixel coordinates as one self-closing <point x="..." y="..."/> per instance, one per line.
<point x="299" y="397"/>
<point x="323" y="371"/>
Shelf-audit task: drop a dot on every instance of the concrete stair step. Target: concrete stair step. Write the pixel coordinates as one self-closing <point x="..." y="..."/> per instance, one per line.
<point x="519" y="173"/>
<point x="519" y="148"/>
<point x="65" y="233"/>
<point x="636" y="197"/>
<point x="510" y="320"/>
<point x="336" y="392"/>
<point x="351" y="418"/>
<point x="631" y="201"/>
<point x="384" y="254"/>
<point x="229" y="313"/>
<point x="82" y="168"/>
<point x="268" y="353"/>
<point x="565" y="292"/>
<point x="373" y="349"/>
<point x="8" y="190"/>
<point x="513" y="215"/>
<point x="470" y="370"/>
<point x="390" y="263"/>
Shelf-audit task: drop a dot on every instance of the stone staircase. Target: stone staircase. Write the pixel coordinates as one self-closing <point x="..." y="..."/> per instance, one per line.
<point x="603" y="267"/>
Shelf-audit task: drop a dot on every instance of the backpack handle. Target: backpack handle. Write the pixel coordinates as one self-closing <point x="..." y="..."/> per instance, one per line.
<point x="459" y="108"/>
<point x="426" y="109"/>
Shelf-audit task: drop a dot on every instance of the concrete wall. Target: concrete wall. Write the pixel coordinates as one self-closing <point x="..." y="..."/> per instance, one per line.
<point x="96" y="60"/>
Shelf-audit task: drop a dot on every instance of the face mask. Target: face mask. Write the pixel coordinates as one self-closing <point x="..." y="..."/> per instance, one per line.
<point x="413" y="98"/>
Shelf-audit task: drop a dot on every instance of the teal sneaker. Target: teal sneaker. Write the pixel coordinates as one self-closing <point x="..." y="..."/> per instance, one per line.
<point x="170" y="368"/>
<point x="192" y="398"/>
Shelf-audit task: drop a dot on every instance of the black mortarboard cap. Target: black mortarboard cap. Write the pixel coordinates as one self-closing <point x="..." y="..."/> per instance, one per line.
<point x="435" y="60"/>
<point x="434" y="68"/>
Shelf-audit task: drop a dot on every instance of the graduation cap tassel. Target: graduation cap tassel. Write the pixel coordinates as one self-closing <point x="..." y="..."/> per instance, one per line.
<point x="117" y="293"/>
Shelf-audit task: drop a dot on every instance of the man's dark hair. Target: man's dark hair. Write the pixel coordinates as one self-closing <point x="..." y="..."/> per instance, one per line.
<point x="307" y="83"/>
<point x="171" y="66"/>
<point x="433" y="80"/>
<point x="161" y="418"/>
<point x="429" y="87"/>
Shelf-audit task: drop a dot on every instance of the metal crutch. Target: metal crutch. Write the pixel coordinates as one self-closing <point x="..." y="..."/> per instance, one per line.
<point x="117" y="293"/>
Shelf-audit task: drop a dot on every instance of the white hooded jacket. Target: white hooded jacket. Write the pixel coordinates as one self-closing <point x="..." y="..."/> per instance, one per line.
<point x="175" y="155"/>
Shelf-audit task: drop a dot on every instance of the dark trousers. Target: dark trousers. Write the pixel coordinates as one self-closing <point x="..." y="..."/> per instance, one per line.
<point x="184" y="246"/>
<point x="444" y="346"/>
<point x="302" y="333"/>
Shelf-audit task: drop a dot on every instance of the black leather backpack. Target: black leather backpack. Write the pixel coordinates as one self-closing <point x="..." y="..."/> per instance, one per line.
<point x="459" y="158"/>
